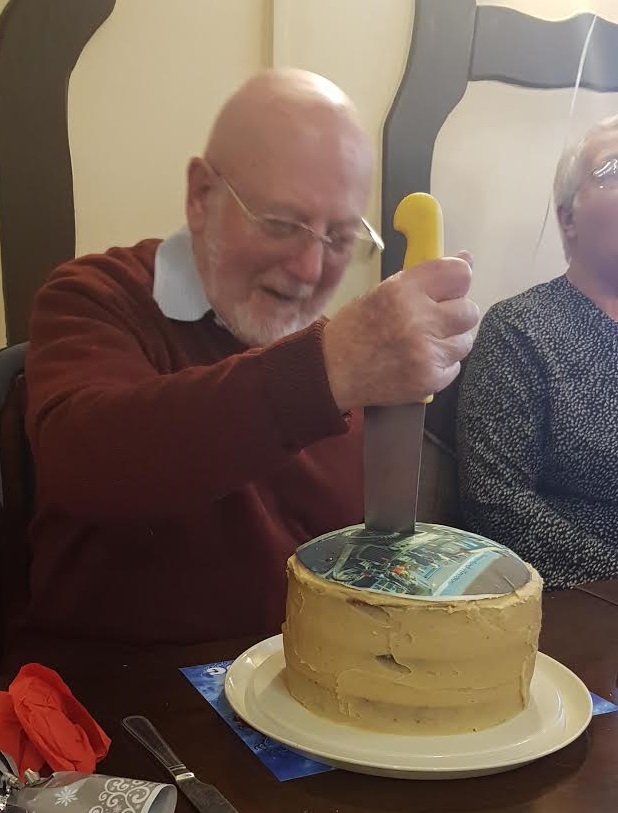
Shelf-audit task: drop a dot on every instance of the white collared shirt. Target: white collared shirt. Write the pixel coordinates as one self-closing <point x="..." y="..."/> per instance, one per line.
<point x="178" y="289"/>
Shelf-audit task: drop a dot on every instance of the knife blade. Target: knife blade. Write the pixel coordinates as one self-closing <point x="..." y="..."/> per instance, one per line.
<point x="393" y="439"/>
<point x="393" y="435"/>
<point x="205" y="798"/>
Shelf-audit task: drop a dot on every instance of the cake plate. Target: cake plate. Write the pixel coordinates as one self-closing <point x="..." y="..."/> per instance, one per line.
<point x="559" y="711"/>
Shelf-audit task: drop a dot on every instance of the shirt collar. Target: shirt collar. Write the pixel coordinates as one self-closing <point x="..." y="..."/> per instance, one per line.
<point x="178" y="289"/>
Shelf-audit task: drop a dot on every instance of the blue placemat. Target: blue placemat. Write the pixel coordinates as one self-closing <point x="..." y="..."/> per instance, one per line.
<point x="600" y="705"/>
<point x="209" y="680"/>
<point x="284" y="763"/>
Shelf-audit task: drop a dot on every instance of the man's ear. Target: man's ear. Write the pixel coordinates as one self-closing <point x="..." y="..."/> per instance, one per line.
<point x="199" y="183"/>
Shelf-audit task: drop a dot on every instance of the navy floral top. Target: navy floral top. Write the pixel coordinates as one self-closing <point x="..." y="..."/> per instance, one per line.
<point x="538" y="433"/>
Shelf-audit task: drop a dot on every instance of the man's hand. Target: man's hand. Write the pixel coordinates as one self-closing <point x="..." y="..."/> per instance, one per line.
<point x="405" y="339"/>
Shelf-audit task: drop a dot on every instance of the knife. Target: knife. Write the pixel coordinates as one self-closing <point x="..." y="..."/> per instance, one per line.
<point x="205" y="798"/>
<point x="393" y="435"/>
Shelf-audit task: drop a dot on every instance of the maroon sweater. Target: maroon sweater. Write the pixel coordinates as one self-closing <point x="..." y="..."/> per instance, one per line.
<point x="176" y="469"/>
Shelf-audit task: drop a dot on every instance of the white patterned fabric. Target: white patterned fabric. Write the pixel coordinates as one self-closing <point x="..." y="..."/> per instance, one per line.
<point x="78" y="793"/>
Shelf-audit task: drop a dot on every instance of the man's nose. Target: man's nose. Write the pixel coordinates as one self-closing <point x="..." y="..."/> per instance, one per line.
<point x="307" y="264"/>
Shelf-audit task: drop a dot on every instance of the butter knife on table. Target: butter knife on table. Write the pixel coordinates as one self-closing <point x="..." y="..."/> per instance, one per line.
<point x="205" y="798"/>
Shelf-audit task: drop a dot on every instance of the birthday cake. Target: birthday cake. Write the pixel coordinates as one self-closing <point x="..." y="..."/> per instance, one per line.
<point x="436" y="633"/>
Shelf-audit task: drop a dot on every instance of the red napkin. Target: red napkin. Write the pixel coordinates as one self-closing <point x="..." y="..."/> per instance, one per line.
<point x="41" y="723"/>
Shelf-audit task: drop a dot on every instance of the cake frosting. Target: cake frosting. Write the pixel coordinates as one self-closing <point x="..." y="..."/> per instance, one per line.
<point x="400" y="663"/>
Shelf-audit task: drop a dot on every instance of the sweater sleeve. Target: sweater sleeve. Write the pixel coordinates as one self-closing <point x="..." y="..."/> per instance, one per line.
<point x="113" y="437"/>
<point x="502" y="435"/>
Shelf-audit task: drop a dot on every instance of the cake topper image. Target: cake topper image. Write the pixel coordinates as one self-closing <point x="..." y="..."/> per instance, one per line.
<point x="436" y="561"/>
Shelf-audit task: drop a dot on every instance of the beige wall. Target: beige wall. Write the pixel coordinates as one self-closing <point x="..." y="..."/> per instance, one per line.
<point x="137" y="112"/>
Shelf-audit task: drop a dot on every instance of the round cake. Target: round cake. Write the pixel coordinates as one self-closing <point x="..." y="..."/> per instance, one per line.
<point x="402" y="655"/>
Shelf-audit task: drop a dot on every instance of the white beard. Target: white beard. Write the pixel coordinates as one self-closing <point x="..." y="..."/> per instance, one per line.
<point x="241" y="323"/>
<point x="257" y="333"/>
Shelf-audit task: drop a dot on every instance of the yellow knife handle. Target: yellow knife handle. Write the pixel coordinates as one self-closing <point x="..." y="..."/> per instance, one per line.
<point x="419" y="218"/>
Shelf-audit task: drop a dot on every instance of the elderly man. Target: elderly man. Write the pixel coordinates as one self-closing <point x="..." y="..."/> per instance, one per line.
<point x="538" y="413"/>
<point x="193" y="418"/>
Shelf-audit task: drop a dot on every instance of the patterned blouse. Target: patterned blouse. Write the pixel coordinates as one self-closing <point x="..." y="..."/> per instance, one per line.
<point x="538" y="433"/>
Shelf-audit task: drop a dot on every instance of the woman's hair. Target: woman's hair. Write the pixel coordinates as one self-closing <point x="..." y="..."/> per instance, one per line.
<point x="571" y="168"/>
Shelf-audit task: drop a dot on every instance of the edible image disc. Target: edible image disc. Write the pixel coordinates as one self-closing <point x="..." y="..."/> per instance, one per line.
<point x="435" y="562"/>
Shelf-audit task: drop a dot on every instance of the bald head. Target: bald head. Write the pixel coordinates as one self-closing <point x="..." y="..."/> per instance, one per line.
<point x="287" y="114"/>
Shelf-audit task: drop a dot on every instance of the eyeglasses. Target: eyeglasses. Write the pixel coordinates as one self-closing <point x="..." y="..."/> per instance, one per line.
<point x="344" y="245"/>
<point x="606" y="176"/>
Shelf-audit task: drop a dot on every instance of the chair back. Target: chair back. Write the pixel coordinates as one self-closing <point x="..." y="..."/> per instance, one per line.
<point x="16" y="486"/>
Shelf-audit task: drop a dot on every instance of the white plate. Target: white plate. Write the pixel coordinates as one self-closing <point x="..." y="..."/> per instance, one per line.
<point x="560" y="709"/>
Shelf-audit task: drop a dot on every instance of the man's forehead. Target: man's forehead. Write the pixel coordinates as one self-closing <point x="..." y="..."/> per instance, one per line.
<point x="313" y="145"/>
<point x="295" y="181"/>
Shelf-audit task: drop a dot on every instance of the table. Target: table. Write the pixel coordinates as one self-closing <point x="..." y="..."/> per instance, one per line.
<point x="606" y="590"/>
<point x="580" y="628"/>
